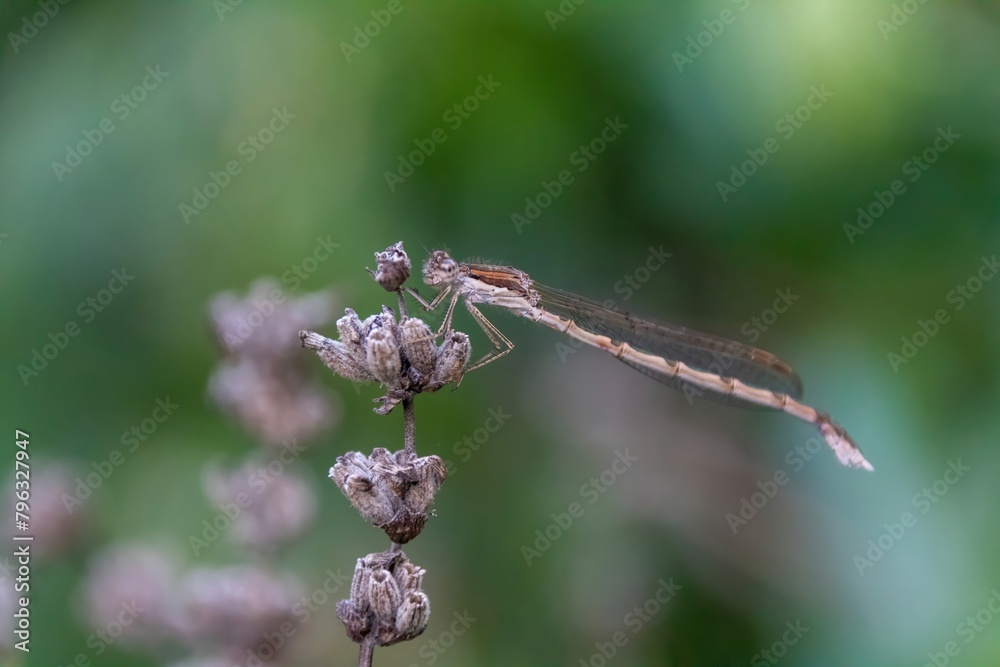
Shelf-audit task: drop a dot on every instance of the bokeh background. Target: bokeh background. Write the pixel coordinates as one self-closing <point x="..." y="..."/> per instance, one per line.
<point x="697" y="85"/>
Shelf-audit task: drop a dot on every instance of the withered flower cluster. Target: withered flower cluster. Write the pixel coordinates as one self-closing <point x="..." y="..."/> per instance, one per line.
<point x="391" y="490"/>
<point x="275" y="509"/>
<point x="260" y="380"/>
<point x="386" y="600"/>
<point x="221" y="614"/>
<point x="402" y="357"/>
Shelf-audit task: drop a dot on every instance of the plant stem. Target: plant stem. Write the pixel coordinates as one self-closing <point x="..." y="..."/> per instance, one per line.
<point x="366" y="652"/>
<point x="402" y="304"/>
<point x="409" y="427"/>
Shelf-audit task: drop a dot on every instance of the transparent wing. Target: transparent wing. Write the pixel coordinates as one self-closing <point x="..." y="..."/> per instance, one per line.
<point x="700" y="351"/>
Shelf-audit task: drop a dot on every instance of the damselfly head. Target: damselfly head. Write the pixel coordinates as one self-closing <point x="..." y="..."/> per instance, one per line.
<point x="440" y="269"/>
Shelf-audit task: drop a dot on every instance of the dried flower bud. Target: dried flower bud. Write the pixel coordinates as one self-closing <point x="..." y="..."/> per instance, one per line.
<point x="413" y="614"/>
<point x="345" y="360"/>
<point x="350" y="328"/>
<point x="431" y="473"/>
<point x="384" y="596"/>
<point x="354" y="475"/>
<point x="357" y="623"/>
<point x="418" y="345"/>
<point x="393" y="267"/>
<point x="410" y="577"/>
<point x="382" y="352"/>
<point x="359" y="584"/>
<point x="358" y="484"/>
<point x="453" y="355"/>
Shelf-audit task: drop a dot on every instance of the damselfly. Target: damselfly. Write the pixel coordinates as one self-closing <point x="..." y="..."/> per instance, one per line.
<point x="690" y="361"/>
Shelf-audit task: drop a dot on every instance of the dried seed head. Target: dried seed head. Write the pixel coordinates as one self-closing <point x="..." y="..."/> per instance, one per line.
<point x="357" y="623"/>
<point x="403" y="356"/>
<point x="413" y="614"/>
<point x="452" y="357"/>
<point x="418" y="345"/>
<point x="393" y="491"/>
<point x="382" y="352"/>
<point x="393" y="267"/>
<point x="410" y="577"/>
<point x="358" y="483"/>
<point x="384" y="596"/>
<point x="379" y="603"/>
<point x="354" y="475"/>
<point x="347" y="361"/>
<point x="359" y="585"/>
<point x="430" y="472"/>
<point x="350" y="328"/>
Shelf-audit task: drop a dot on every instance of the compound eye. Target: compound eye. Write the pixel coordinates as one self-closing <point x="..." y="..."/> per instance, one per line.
<point x="450" y="267"/>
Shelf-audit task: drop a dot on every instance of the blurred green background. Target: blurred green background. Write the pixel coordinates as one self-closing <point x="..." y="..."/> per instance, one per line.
<point x="699" y="89"/>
